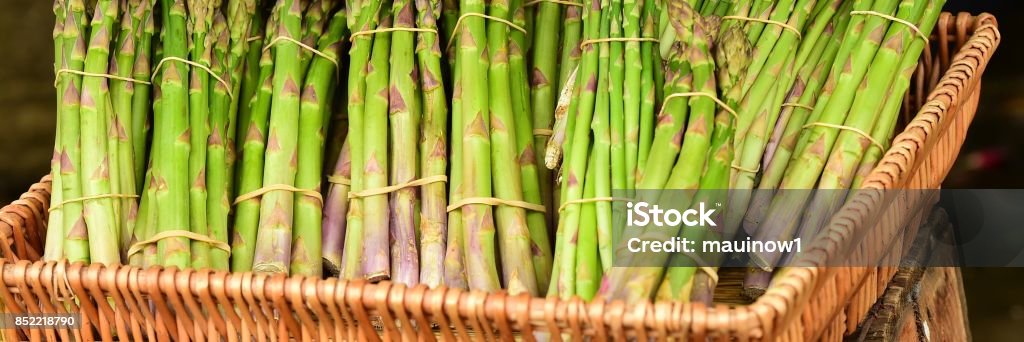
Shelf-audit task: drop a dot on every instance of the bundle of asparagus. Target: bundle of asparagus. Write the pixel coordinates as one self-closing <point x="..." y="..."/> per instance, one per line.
<point x="495" y="153"/>
<point x="397" y="143"/>
<point x="278" y="219"/>
<point x="100" y="65"/>
<point x="858" y="117"/>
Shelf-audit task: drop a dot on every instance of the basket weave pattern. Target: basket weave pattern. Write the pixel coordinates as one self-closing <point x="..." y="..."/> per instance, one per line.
<point x="807" y="303"/>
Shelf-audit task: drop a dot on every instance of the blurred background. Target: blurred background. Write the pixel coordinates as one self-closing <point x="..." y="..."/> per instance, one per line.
<point x="992" y="157"/>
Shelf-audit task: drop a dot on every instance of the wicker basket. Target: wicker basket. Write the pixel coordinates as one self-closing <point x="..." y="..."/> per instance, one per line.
<point x="808" y="303"/>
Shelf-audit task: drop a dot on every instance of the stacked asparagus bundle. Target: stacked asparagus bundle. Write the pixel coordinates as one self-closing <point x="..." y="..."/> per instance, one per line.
<point x="613" y="106"/>
<point x="397" y="142"/>
<point x="102" y="84"/>
<point x="495" y="185"/>
<point x="855" y="121"/>
<point x="279" y="208"/>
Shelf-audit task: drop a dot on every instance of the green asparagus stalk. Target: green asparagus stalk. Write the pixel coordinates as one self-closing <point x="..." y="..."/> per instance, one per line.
<point x="171" y="139"/>
<point x="589" y="269"/>
<point x="141" y="106"/>
<point x="335" y="211"/>
<point x="575" y="170"/>
<point x="479" y="227"/>
<point x="121" y="92"/>
<point x="315" y="108"/>
<point x="247" y="212"/>
<point x="250" y="80"/>
<point x="95" y="124"/>
<point x="533" y="181"/>
<point x="433" y="146"/>
<point x="359" y="57"/>
<point x="513" y="235"/>
<point x="54" y="248"/>
<point x="631" y="92"/>
<point x="376" y="263"/>
<point x="543" y="78"/>
<point x="454" y="259"/>
<point x="273" y="241"/>
<point x="218" y="202"/>
<point x="200" y="20"/>
<point x="404" y="118"/>
<point x="649" y="88"/>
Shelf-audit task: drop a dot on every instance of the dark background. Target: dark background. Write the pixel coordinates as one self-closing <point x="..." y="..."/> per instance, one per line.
<point x="991" y="156"/>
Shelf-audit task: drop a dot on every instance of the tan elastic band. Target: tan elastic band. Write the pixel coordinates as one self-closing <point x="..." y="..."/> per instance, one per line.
<point x="797" y="105"/>
<point x="606" y="40"/>
<point x="895" y="19"/>
<point x="491" y="201"/>
<point x="391" y="29"/>
<point x="197" y="65"/>
<point x="136" y="247"/>
<point x="278" y="187"/>
<point x="304" y="46"/>
<point x="848" y="128"/>
<point x="692" y="94"/>
<point x="92" y="74"/>
<point x="593" y="200"/>
<point x="339" y="180"/>
<point x="740" y="168"/>
<point x="766" y="21"/>
<point x="543" y="132"/>
<point x="570" y="3"/>
<point x="458" y="24"/>
<point x="89" y="198"/>
<point x="702" y="265"/>
<point x="253" y="39"/>
<point x="396" y="187"/>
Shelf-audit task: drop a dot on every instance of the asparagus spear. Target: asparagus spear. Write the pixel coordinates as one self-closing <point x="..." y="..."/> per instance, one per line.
<point x="513" y="236"/>
<point x="335" y="211"/>
<point x="376" y="263"/>
<point x="433" y="146"/>
<point x="534" y="185"/>
<point x="54" y="248"/>
<point x="121" y="92"/>
<point x="589" y="269"/>
<point x="631" y="91"/>
<point x="141" y="107"/>
<point x="650" y="90"/>
<point x="479" y="230"/>
<point x="250" y="177"/>
<point x="96" y="155"/>
<point x="568" y="225"/>
<point x="404" y="114"/>
<point x="454" y="260"/>
<point x="200" y="20"/>
<point x="543" y="92"/>
<point x="273" y="241"/>
<point x="359" y="57"/>
<point x="314" y="110"/>
<point x="171" y="139"/>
